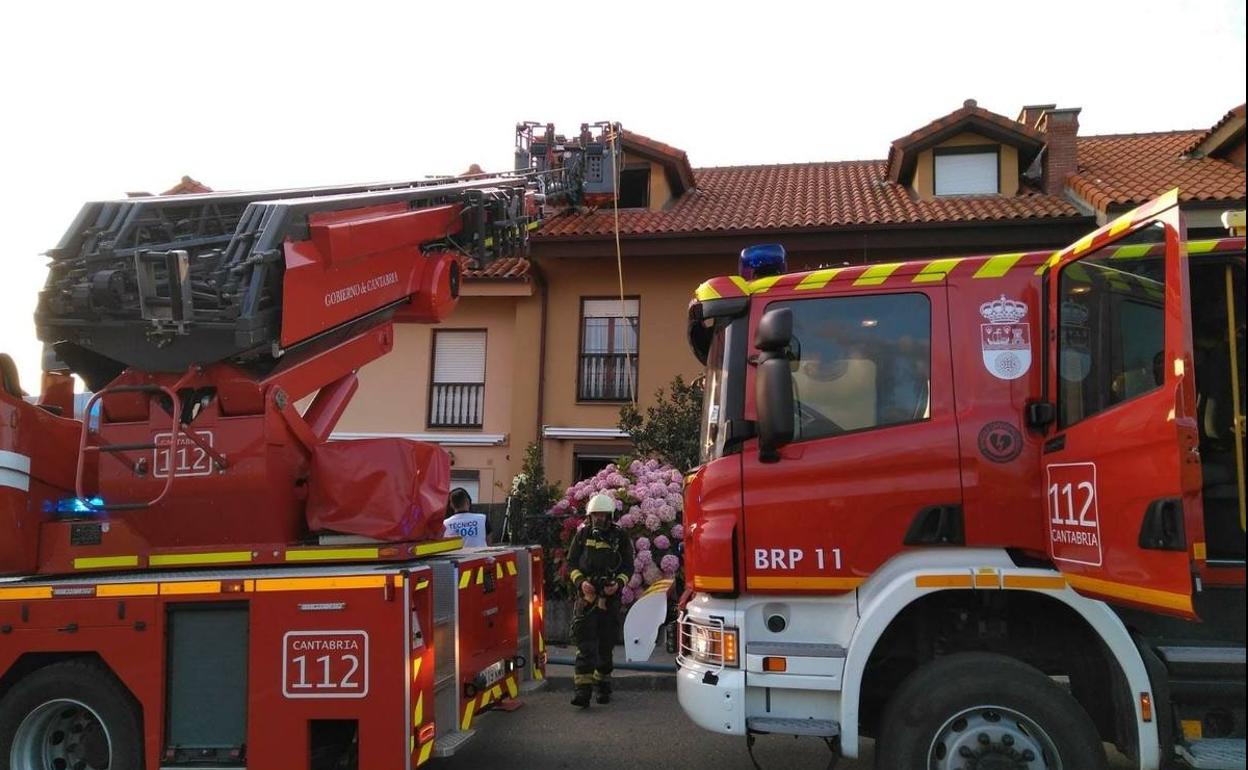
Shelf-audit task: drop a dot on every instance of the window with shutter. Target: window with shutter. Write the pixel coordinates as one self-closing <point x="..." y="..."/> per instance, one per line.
<point x="966" y="171"/>
<point x="608" y="355"/>
<point x="457" y="387"/>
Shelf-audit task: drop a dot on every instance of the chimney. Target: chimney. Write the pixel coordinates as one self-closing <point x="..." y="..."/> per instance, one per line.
<point x="1061" y="154"/>
<point x="1032" y="112"/>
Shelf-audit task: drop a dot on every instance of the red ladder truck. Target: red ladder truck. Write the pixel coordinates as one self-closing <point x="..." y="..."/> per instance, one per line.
<point x="195" y="575"/>
<point x="987" y="511"/>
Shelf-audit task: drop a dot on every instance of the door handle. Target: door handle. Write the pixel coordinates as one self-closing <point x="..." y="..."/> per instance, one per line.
<point x="1162" y="528"/>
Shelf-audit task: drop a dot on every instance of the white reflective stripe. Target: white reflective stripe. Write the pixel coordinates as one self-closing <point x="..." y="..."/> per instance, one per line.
<point x="15" y="479"/>
<point x="14" y="462"/>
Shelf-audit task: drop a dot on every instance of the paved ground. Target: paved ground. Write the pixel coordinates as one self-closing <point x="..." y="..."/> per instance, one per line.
<point x="644" y="727"/>
<point x="640" y="729"/>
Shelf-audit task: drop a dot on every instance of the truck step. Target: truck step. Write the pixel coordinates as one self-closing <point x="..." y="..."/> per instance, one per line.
<point x="1214" y="754"/>
<point x="823" y="728"/>
<point x="449" y="743"/>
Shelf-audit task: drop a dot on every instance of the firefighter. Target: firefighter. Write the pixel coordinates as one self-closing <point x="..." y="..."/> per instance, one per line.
<point x="601" y="558"/>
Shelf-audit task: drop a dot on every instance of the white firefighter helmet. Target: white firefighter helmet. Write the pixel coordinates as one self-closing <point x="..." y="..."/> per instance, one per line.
<point x="601" y="503"/>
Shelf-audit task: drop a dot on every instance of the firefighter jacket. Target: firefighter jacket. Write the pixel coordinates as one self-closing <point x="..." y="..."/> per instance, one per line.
<point x="600" y="555"/>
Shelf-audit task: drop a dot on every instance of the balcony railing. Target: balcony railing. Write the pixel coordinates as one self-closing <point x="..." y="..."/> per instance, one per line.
<point x="456" y="405"/>
<point x="608" y="376"/>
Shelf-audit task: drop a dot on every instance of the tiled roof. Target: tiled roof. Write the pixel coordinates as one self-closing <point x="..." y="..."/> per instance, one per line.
<point x="509" y="269"/>
<point x="803" y="195"/>
<point x="970" y="116"/>
<point x="1236" y="113"/>
<point x="1127" y="169"/>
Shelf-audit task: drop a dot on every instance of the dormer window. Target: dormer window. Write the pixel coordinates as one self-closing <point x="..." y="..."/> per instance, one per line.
<point x="967" y="170"/>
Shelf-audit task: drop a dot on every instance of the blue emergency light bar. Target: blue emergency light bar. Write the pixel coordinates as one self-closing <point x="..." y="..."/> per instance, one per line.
<point x="762" y="260"/>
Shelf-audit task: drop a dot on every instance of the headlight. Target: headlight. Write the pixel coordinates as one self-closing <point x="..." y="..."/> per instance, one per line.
<point x="711" y="645"/>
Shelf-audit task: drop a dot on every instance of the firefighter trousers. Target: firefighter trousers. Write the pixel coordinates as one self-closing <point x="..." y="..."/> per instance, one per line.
<point x="594" y="631"/>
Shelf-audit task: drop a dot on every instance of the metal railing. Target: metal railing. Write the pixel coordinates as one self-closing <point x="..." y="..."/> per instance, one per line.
<point x="608" y="377"/>
<point x="457" y="405"/>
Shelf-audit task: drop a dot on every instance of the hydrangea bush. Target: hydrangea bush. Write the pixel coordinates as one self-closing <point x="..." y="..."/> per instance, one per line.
<point x="648" y="507"/>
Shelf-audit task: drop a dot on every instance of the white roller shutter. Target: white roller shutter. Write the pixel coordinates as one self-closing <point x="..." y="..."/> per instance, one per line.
<point x="459" y="357"/>
<point x="610" y="308"/>
<point x="972" y="173"/>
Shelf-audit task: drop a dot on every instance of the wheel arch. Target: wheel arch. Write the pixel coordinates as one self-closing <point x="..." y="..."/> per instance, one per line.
<point x="906" y="587"/>
<point x="30" y="662"/>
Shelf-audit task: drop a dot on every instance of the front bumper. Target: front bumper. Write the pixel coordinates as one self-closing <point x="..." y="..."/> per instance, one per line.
<point x="714" y="700"/>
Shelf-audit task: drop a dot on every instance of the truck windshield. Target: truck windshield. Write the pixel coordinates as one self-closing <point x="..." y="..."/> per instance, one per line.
<point x="713" y="409"/>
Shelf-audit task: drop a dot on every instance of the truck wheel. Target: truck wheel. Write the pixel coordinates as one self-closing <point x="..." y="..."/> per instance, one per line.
<point x="982" y="711"/>
<point x="73" y="715"/>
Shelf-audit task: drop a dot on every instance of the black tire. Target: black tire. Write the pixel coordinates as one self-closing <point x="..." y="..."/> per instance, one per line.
<point x="941" y="690"/>
<point x="86" y="682"/>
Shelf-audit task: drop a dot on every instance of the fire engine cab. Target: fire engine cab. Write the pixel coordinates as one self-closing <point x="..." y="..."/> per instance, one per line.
<point x="987" y="511"/>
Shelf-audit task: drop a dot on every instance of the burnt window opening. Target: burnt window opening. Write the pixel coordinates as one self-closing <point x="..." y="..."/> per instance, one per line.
<point x="635" y="188"/>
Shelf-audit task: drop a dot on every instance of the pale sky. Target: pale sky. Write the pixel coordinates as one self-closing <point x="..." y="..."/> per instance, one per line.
<point x="105" y="97"/>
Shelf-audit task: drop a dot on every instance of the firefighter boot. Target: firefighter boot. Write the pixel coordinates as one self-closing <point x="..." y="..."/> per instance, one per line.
<point x="604" y="692"/>
<point x="581" y="699"/>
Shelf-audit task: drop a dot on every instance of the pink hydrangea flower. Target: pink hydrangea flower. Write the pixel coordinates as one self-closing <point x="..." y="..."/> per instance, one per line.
<point x="642" y="560"/>
<point x="653" y="523"/>
<point x="669" y="564"/>
<point x="643" y="544"/>
<point x="666" y="513"/>
<point x="627" y="521"/>
<point x="662" y="543"/>
<point x="678" y="532"/>
<point x="627" y="595"/>
<point x="635" y="510"/>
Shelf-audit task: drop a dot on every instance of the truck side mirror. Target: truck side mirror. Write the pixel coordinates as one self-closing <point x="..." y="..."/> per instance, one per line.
<point x="775" y="330"/>
<point x="773" y="383"/>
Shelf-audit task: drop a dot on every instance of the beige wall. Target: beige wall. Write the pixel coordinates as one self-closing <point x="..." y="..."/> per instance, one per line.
<point x="394" y="391"/>
<point x="924" y="186"/>
<point x="664" y="286"/>
<point x="393" y="394"/>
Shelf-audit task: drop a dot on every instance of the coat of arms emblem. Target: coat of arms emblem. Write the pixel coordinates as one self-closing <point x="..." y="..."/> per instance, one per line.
<point x="1005" y="339"/>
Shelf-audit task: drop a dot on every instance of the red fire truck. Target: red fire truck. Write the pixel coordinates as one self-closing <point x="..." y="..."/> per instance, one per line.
<point x="987" y="511"/>
<point x="195" y="574"/>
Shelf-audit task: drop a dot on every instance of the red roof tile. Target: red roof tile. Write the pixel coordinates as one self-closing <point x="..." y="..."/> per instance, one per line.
<point x="804" y="195"/>
<point x="1128" y="169"/>
<point x="1236" y="113"/>
<point x="509" y="269"/>
<point x="188" y="186"/>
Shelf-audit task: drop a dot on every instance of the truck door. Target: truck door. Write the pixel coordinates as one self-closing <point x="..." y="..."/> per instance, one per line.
<point x="875" y="447"/>
<point x="1121" y="465"/>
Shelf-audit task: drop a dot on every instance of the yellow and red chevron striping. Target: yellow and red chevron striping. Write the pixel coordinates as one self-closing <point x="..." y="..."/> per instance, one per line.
<point x="933" y="270"/>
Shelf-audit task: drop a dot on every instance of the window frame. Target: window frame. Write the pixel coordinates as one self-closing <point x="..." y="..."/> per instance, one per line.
<point x="433" y="364"/>
<point x="580" y="350"/>
<point x="968" y="149"/>
<point x="931" y="341"/>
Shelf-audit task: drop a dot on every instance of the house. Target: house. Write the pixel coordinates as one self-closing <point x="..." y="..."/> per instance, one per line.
<point x="549" y="348"/>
